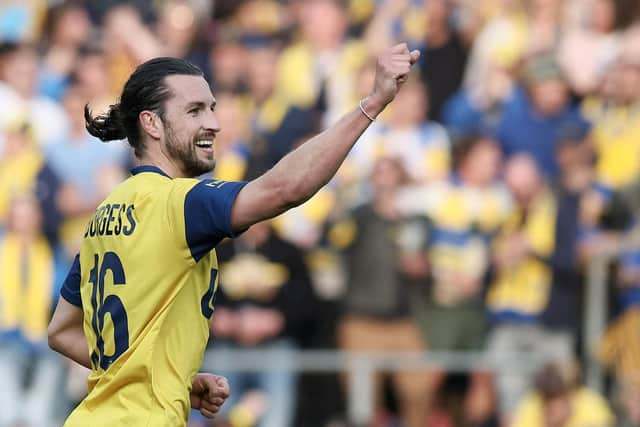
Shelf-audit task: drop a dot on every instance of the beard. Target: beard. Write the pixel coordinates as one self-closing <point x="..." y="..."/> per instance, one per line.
<point x="192" y="164"/>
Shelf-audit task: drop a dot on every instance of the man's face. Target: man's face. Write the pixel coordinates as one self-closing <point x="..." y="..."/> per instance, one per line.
<point x="190" y="124"/>
<point x="387" y="174"/>
<point x="410" y="106"/>
<point x="550" y="96"/>
<point x="522" y="178"/>
<point x="261" y="70"/>
<point x="20" y="71"/>
<point x="484" y="162"/>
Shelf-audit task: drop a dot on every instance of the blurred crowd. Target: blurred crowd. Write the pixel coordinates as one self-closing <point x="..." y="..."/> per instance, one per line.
<point x="464" y="219"/>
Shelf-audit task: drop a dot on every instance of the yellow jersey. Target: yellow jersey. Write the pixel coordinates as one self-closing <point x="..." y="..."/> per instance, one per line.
<point x="588" y="409"/>
<point x="521" y="291"/>
<point x="146" y="278"/>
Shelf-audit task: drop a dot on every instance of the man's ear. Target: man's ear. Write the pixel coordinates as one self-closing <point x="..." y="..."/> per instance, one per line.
<point x="151" y="124"/>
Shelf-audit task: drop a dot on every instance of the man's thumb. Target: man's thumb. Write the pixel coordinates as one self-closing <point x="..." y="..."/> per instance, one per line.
<point x="415" y="55"/>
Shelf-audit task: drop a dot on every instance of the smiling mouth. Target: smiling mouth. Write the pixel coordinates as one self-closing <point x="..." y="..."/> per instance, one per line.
<point x="204" y="143"/>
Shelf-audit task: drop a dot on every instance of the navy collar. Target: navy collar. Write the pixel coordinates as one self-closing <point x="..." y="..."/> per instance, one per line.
<point x="148" y="168"/>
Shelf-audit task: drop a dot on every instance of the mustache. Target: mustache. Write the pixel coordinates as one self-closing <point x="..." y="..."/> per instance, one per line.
<point x="206" y="135"/>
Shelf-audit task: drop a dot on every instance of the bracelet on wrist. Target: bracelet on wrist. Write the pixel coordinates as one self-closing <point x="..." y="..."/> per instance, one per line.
<point x="368" y="116"/>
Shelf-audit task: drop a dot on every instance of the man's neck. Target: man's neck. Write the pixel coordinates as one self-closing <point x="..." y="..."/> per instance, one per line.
<point x="161" y="161"/>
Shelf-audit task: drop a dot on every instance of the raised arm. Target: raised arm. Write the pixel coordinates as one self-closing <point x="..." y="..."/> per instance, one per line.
<point x="301" y="173"/>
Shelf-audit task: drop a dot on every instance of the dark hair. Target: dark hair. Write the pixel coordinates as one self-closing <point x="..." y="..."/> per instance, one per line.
<point x="146" y="89"/>
<point x="8" y="48"/>
<point x="625" y="13"/>
<point x="556" y="379"/>
<point x="465" y="144"/>
<point x="56" y="12"/>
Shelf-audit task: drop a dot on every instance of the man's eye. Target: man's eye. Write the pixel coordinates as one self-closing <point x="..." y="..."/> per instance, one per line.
<point x="194" y="111"/>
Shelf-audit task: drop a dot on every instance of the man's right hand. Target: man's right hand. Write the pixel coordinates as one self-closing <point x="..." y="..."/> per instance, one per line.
<point x="208" y="393"/>
<point x="392" y="69"/>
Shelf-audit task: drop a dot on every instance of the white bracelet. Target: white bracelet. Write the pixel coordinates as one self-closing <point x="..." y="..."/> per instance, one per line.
<point x="364" y="112"/>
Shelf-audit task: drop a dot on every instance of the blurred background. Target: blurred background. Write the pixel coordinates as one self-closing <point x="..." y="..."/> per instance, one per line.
<point x="475" y="262"/>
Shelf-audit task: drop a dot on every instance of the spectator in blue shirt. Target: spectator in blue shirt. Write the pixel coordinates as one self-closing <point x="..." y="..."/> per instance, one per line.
<point x="535" y="114"/>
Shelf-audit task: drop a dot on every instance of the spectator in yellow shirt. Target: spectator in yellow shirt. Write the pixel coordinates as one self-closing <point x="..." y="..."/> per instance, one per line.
<point x="324" y="59"/>
<point x="20" y="162"/>
<point x="616" y="126"/>
<point x="27" y="279"/>
<point x="559" y="401"/>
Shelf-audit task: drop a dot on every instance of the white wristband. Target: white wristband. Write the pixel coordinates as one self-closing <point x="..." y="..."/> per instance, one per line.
<point x="365" y="112"/>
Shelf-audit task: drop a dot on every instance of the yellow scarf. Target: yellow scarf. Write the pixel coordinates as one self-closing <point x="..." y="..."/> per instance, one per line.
<point x="25" y="305"/>
<point x="525" y="287"/>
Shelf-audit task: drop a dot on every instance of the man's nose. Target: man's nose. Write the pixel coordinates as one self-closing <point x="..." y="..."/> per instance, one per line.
<point x="212" y="122"/>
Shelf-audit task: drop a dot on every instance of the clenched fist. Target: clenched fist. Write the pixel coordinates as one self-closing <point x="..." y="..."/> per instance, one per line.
<point x="208" y="393"/>
<point x="392" y="69"/>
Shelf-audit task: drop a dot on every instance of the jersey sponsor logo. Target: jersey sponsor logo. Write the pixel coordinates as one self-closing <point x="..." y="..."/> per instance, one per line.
<point x="112" y="220"/>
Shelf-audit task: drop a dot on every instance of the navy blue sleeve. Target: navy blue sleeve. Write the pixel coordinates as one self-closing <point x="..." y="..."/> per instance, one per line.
<point x="71" y="287"/>
<point x="207" y="214"/>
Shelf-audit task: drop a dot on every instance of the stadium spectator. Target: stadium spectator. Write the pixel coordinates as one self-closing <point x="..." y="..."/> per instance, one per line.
<point x="619" y="348"/>
<point x="558" y="400"/>
<point x="616" y="126"/>
<point x="445" y="56"/>
<point x="396" y="19"/>
<point x="521" y="287"/>
<point x="428" y="25"/>
<point x="465" y="213"/>
<point x="46" y="189"/>
<point x="127" y="42"/>
<point x="422" y="145"/>
<point x="534" y="114"/>
<point x="575" y="179"/>
<point x="277" y="124"/>
<point x="500" y="44"/>
<point x="263" y="18"/>
<point x="20" y="162"/>
<point x="478" y="109"/>
<point x="19" y="67"/>
<point x="227" y="62"/>
<point x="23" y="170"/>
<point x="277" y="128"/>
<point x="544" y="21"/>
<point x="265" y="303"/>
<point x="67" y="29"/>
<point x="30" y="371"/>
<point x="91" y="75"/>
<point x="96" y="168"/>
<point x="599" y="33"/>
<point x="180" y="29"/>
<point x="376" y="306"/>
<point x="321" y="65"/>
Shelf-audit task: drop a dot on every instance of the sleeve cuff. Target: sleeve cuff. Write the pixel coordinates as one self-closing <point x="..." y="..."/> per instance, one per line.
<point x="231" y="197"/>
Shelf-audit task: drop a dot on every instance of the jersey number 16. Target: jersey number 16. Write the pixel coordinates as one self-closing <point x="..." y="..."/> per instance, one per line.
<point x="112" y="305"/>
